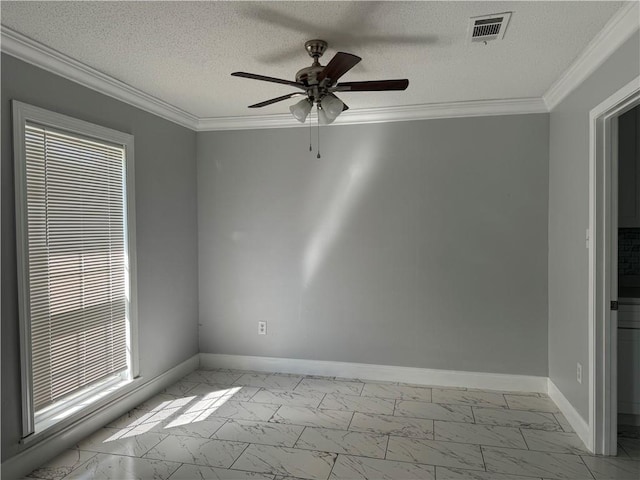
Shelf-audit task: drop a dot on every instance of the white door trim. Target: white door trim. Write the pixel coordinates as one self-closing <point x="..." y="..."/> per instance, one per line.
<point x="602" y="202"/>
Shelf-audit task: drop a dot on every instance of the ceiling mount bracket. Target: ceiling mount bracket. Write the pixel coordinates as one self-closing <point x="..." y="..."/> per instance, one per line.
<point x="315" y="49"/>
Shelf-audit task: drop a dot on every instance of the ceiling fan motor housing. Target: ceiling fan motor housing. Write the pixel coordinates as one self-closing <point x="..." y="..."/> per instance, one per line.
<point x="309" y="75"/>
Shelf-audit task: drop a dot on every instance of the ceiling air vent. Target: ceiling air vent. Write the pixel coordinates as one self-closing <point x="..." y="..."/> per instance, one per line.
<point x="488" y="27"/>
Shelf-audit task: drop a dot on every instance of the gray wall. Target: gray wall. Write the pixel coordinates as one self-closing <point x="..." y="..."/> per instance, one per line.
<point x="165" y="222"/>
<point x="569" y="220"/>
<point x="418" y="244"/>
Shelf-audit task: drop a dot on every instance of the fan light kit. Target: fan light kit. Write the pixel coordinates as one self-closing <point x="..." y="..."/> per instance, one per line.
<point x="319" y="83"/>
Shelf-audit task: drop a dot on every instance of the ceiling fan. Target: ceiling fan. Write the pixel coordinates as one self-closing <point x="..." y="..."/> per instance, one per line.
<point x="318" y="84"/>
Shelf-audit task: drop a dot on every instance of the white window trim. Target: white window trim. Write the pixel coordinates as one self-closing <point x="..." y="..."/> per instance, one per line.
<point x="23" y="113"/>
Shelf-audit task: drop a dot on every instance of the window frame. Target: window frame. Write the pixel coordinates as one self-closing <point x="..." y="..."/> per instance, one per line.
<point x="23" y="113"/>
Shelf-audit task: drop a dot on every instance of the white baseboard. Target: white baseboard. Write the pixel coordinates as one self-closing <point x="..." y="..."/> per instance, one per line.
<point x="24" y="462"/>
<point x="576" y="421"/>
<point x="420" y="376"/>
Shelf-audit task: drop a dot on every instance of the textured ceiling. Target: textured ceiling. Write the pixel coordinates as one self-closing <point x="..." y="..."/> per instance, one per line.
<point x="183" y="52"/>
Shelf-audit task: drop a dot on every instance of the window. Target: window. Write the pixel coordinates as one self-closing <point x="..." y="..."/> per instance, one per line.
<point x="74" y="192"/>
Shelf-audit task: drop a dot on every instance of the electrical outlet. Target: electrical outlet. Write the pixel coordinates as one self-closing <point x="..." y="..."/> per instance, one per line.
<point x="579" y="373"/>
<point x="262" y="328"/>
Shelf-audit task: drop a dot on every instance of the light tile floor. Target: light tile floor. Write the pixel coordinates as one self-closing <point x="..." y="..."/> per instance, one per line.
<point x="224" y="424"/>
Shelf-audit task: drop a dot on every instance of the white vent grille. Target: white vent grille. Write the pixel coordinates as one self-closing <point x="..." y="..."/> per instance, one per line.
<point x="488" y="27"/>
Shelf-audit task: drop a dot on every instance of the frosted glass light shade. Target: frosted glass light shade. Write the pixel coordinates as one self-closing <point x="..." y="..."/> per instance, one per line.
<point x="301" y="109"/>
<point x="325" y="119"/>
<point x="332" y="106"/>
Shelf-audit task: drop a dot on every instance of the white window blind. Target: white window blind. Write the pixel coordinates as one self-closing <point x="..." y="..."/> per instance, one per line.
<point x="77" y="278"/>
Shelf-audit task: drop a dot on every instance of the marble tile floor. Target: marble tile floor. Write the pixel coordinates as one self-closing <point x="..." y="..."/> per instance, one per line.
<point x="236" y="425"/>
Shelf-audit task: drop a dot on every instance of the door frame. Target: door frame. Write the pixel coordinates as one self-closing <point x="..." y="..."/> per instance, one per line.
<point x="603" y="265"/>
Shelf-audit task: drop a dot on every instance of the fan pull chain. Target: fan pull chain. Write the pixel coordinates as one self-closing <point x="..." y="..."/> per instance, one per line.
<point x="318" y="109"/>
<point x="310" y="128"/>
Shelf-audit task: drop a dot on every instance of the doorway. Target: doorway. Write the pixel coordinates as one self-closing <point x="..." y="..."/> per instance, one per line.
<point x="628" y="279"/>
<point x="604" y="296"/>
<point x="628" y="275"/>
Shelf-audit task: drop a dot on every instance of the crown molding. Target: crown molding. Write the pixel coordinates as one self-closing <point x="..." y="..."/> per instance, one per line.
<point x="617" y="30"/>
<point x="42" y="56"/>
<point x="474" y="108"/>
<point x="624" y="23"/>
<point x="24" y="48"/>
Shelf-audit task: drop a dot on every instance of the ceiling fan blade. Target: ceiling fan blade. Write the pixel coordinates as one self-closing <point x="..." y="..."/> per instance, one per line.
<point x="275" y="100"/>
<point x="253" y="76"/>
<point x="372" y="86"/>
<point x="340" y="64"/>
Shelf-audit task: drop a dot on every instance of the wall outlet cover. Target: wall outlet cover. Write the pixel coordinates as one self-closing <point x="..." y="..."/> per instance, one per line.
<point x="579" y="373"/>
